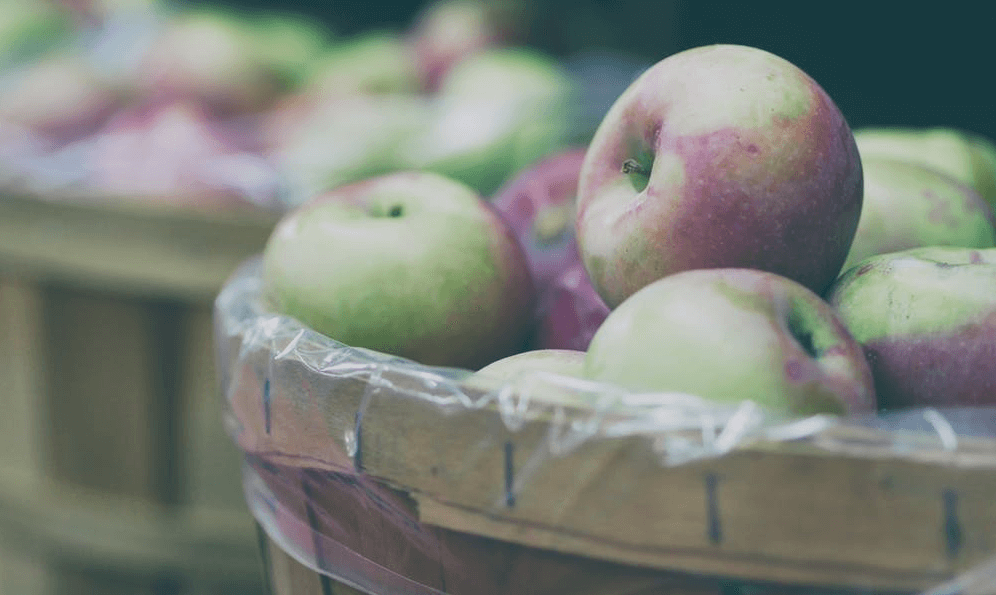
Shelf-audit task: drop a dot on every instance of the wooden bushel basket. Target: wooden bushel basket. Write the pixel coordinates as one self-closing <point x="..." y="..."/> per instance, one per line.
<point x="116" y="475"/>
<point x="850" y="507"/>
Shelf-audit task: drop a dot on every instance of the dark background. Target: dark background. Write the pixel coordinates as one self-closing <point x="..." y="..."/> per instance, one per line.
<point x="884" y="63"/>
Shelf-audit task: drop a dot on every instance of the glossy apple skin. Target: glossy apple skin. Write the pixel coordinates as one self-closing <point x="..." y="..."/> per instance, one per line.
<point x="539" y="205"/>
<point x="969" y="157"/>
<point x="926" y="319"/>
<point x="571" y="312"/>
<point x="907" y="205"/>
<point x="751" y="165"/>
<point x="410" y="264"/>
<point x="731" y="335"/>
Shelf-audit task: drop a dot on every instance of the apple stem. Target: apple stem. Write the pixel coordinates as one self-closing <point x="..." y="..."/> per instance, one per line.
<point x="632" y="166"/>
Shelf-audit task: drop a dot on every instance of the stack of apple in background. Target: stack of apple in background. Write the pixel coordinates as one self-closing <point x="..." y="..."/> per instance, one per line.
<point x="210" y="105"/>
<point x="724" y="235"/>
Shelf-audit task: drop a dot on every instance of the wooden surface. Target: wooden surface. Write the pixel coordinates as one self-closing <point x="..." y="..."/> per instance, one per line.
<point x="115" y="468"/>
<point x="129" y="247"/>
<point x="791" y="513"/>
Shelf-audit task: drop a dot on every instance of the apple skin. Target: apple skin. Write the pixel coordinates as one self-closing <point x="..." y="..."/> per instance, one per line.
<point x="969" y="157"/>
<point x="412" y="264"/>
<point x="539" y="205"/>
<point x="566" y="362"/>
<point x="445" y="32"/>
<point x="176" y="152"/>
<point x="926" y="318"/>
<point x="907" y="205"/>
<point x="342" y="141"/>
<point x="370" y="62"/>
<point x="61" y="97"/>
<point x="537" y="375"/>
<point x="730" y="335"/>
<point x="570" y="312"/>
<point x="209" y="55"/>
<point x="750" y="164"/>
<point x="496" y="113"/>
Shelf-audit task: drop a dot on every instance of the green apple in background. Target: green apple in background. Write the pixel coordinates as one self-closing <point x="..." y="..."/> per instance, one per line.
<point x="290" y="41"/>
<point x="411" y="264"/>
<point x="718" y="156"/>
<point x="342" y="140"/>
<point x="730" y="335"/>
<point x="60" y="96"/>
<point x="908" y="205"/>
<point x="926" y="319"/>
<point x="969" y="157"/>
<point x="210" y="55"/>
<point x="29" y="28"/>
<point x="376" y="61"/>
<point x="445" y="32"/>
<point x="495" y="113"/>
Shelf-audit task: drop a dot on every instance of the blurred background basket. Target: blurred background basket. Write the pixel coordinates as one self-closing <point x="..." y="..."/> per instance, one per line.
<point x="116" y="474"/>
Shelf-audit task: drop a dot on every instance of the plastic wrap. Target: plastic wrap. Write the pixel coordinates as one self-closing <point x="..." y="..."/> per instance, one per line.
<point x="398" y="478"/>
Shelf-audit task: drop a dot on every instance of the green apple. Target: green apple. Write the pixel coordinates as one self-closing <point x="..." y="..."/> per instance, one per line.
<point x="969" y="157"/>
<point x="290" y="41"/>
<point x="30" y="28"/>
<point x="60" y="96"/>
<point x="731" y="335"/>
<point x="926" y="318"/>
<point x="495" y="113"/>
<point x="545" y="375"/>
<point x="908" y="205"/>
<point x="444" y="32"/>
<point x="375" y="61"/>
<point x="718" y="156"/>
<point x="343" y="140"/>
<point x="209" y="55"/>
<point x="412" y="264"/>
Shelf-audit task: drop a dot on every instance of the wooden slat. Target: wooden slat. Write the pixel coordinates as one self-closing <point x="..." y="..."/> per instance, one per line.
<point x="128" y="246"/>
<point x="117" y="535"/>
<point x="790" y="512"/>
<point x="21" y="373"/>
<point x="107" y="409"/>
<point x="211" y="462"/>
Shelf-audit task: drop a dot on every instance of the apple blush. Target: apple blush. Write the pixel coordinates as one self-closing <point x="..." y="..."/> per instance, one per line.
<point x="716" y="157"/>
<point x="926" y="319"/>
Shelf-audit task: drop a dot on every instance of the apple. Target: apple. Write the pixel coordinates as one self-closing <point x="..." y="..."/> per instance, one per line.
<point x="343" y="141"/>
<point x="289" y="42"/>
<point x="926" y="318"/>
<point x="496" y="113"/>
<point x="908" y="205"/>
<point x="540" y="377"/>
<point x="411" y="264"/>
<point x="445" y="32"/>
<point x="29" y="29"/>
<point x="375" y="61"/>
<point x="570" y="312"/>
<point x="969" y="157"/>
<point x="563" y="362"/>
<point x="728" y="335"/>
<point x="60" y="96"/>
<point x="539" y="204"/>
<point x="715" y="157"/>
<point x="209" y="55"/>
<point x="176" y="152"/>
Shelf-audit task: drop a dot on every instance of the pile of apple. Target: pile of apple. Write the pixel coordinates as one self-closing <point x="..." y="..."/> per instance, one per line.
<point x="724" y="235"/>
<point x="142" y="98"/>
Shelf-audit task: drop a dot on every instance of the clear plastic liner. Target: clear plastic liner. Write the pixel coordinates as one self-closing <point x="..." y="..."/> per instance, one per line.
<point x="297" y="404"/>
